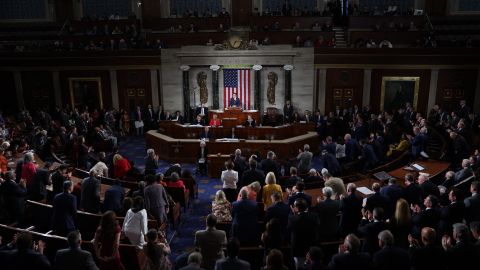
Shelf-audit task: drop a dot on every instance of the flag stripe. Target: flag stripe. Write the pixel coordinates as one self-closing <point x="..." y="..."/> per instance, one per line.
<point x="237" y="81"/>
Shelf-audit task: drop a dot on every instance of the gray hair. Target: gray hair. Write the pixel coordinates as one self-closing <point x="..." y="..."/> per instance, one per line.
<point x="386" y="237"/>
<point x="460" y="231"/>
<point x="150" y="152"/>
<point x="327" y="192"/>
<point x="28" y="157"/>
<point x="352" y="243"/>
<point x="306" y="147"/>
<point x="195" y="257"/>
<point x="238" y="152"/>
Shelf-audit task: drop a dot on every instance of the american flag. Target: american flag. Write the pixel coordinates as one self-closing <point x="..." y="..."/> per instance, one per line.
<point x="236" y="81"/>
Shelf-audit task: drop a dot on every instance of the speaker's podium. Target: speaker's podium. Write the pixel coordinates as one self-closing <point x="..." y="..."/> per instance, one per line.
<point x="229" y="122"/>
<point x="235" y="112"/>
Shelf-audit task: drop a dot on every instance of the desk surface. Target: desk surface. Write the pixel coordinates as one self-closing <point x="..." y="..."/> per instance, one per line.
<point x="433" y="167"/>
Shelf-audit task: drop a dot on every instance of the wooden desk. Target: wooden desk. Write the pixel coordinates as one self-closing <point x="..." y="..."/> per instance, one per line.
<point x="434" y="168"/>
<point x="185" y="150"/>
<point x="103" y="187"/>
<point x="177" y="131"/>
<point x="236" y="113"/>
<point x="216" y="164"/>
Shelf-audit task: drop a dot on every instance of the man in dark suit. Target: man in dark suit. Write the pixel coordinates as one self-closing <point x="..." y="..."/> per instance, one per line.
<point x="58" y="178"/>
<point x="194" y="262"/>
<point x="464" y="110"/>
<point x="461" y="150"/>
<point x="351" y="148"/>
<point x="114" y="198"/>
<point x="74" y="257"/>
<point x="327" y="211"/>
<point x="369" y="228"/>
<point x="14" y="197"/>
<point x="377" y="199"/>
<point x="465" y="172"/>
<point x="287" y="112"/>
<point x="202" y="110"/>
<point x="232" y="262"/>
<point x="178" y="117"/>
<point x="253" y="174"/>
<point x="390" y="257"/>
<point x="245" y="220"/>
<point x="151" y="162"/>
<point x="239" y="163"/>
<point x="429" y="256"/>
<point x="412" y="191"/>
<point x="461" y="253"/>
<point x="368" y="157"/>
<point x="210" y="242"/>
<point x="428" y="187"/>
<point x="278" y="210"/>
<point x="303" y="227"/>
<point x="472" y="203"/>
<point x="150" y="118"/>
<point x="350" y="207"/>
<point x="24" y="258"/>
<point x="199" y="121"/>
<point x="138" y="118"/>
<point x="202" y="158"/>
<point x="297" y="192"/>
<point x="392" y="192"/>
<point x="293" y="179"/>
<point x="330" y="162"/>
<point x="452" y="213"/>
<point x="417" y="142"/>
<point x="426" y="218"/>
<point x="90" y="199"/>
<point x="64" y="210"/>
<point x="269" y="165"/>
<point x="38" y="188"/>
<point x="349" y="256"/>
<point x="235" y="101"/>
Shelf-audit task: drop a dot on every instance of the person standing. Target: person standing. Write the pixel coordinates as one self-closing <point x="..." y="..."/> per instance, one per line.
<point x="107" y="242"/>
<point x="230" y="179"/>
<point x="135" y="223"/>
<point x="14" y="196"/>
<point x="64" y="210"/>
<point x="304" y="159"/>
<point x="156" y="202"/>
<point x="74" y="258"/>
<point x="210" y="242"/>
<point x="90" y="199"/>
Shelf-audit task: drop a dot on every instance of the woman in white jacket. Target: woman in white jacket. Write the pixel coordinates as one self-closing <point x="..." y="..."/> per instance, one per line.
<point x="135" y="223"/>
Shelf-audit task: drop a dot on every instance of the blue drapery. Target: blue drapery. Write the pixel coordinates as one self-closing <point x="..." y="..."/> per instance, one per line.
<point x="181" y="7"/>
<point x="276" y="5"/>
<point x="402" y="5"/>
<point x="468" y="5"/>
<point x="23" y="9"/>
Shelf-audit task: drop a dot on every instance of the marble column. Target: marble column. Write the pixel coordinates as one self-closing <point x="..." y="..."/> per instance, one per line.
<point x="288" y="81"/>
<point x="114" y="89"/>
<point x="186" y="92"/>
<point x="432" y="92"/>
<point x="257" y="96"/>
<point x="322" y="84"/>
<point x="57" y="89"/>
<point x="154" y="86"/>
<point x="215" y="90"/>
<point x="367" y="86"/>
<point x="17" y="77"/>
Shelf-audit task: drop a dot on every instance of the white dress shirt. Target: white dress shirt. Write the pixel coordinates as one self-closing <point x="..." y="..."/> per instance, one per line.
<point x="135" y="227"/>
<point x="229" y="179"/>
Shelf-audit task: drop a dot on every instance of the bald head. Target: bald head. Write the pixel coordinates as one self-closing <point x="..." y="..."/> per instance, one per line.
<point x="428" y="236"/>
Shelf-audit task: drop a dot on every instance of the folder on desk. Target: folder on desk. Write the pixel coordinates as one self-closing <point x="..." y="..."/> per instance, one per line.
<point x="383" y="175"/>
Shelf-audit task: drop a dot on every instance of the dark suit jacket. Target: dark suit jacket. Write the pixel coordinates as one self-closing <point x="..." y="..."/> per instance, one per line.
<point x="348" y="261"/>
<point x="250" y="176"/>
<point x="351" y="149"/>
<point x="327" y="212"/>
<point x="300" y="195"/>
<point x="191" y="267"/>
<point x="198" y="111"/>
<point x="269" y="165"/>
<point x="74" y="259"/>
<point x="463" y="174"/>
<point x="391" y="258"/>
<point x="245" y="221"/>
<point x="429" y="188"/>
<point x="64" y="210"/>
<point x="428" y="257"/>
<point x="24" y="261"/>
<point x="331" y="163"/>
<point x="151" y="165"/>
<point x="232" y="264"/>
<point x="392" y="193"/>
<point x="14" y="198"/>
<point x="472" y="208"/>
<point x="426" y="218"/>
<point x="370" y="231"/>
<point x="90" y="199"/>
<point x="38" y="190"/>
<point x="462" y="256"/>
<point x="376" y="200"/>
<point x="304" y="231"/>
<point x="288" y="113"/>
<point x="114" y="198"/>
<point x="368" y="157"/>
<point x="413" y="194"/>
<point x="235" y="102"/>
<point x="351" y="213"/>
<point x="279" y="211"/>
<point x="250" y="124"/>
<point x="449" y="215"/>
<point x="57" y="182"/>
<point x="240" y="165"/>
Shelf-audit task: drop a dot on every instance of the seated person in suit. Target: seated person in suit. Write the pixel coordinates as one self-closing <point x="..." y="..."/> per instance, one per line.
<point x="250" y="122"/>
<point x="465" y="172"/>
<point x="206" y="134"/>
<point x="202" y="110"/>
<point x="178" y="117"/>
<point x="215" y="122"/>
<point x="235" y="102"/>
<point x="199" y="121"/>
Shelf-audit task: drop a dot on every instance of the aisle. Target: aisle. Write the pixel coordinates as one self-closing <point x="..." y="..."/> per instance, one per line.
<point x="194" y="219"/>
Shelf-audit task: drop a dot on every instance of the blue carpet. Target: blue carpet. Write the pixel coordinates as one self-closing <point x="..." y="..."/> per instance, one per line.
<point x="194" y="219"/>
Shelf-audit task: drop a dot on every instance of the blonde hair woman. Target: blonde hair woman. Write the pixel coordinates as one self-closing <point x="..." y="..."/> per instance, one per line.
<point x="401" y="223"/>
<point x="252" y="190"/>
<point x="270" y="188"/>
<point x="221" y="207"/>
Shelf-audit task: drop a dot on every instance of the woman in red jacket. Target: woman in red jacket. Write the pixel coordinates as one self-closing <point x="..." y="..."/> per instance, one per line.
<point x="215" y="122"/>
<point x="120" y="166"/>
<point x="175" y="181"/>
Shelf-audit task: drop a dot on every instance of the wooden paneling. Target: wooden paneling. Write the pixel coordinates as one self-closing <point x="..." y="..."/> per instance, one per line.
<point x="289" y="37"/>
<point x="8" y="103"/>
<point x="150" y="9"/>
<point x="38" y="89"/>
<point x="377" y="74"/>
<point x="342" y="85"/>
<point x="454" y="85"/>
<point x="241" y="12"/>
<point x="134" y="88"/>
<point x="102" y="74"/>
